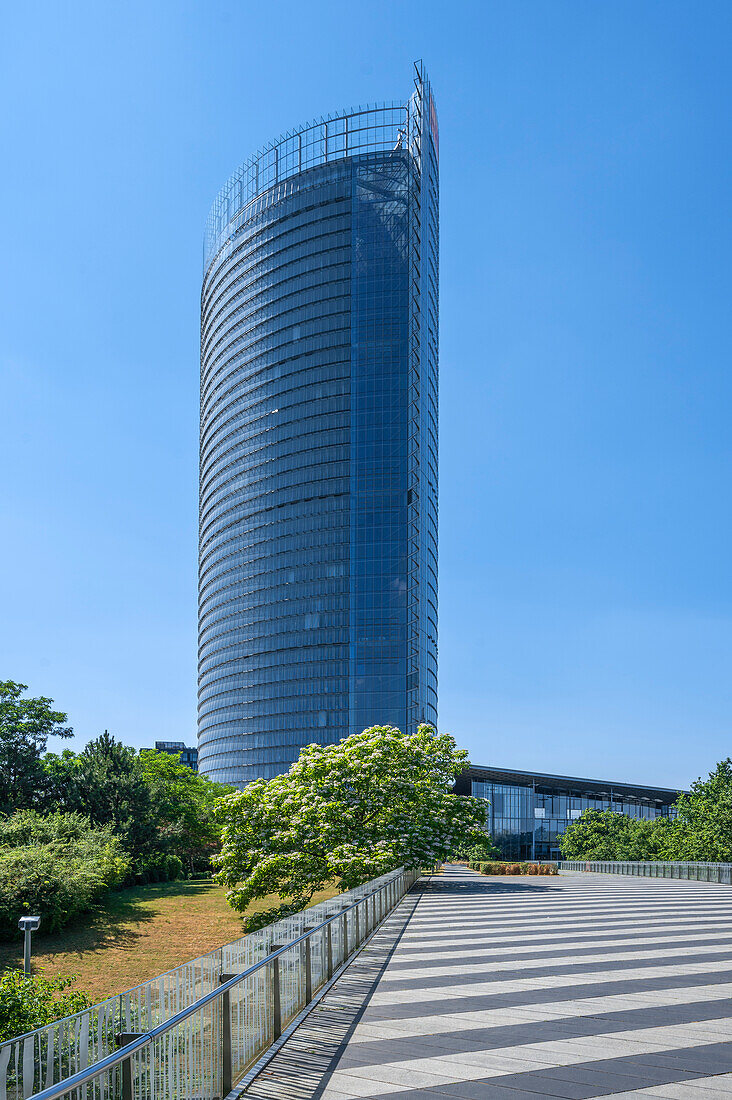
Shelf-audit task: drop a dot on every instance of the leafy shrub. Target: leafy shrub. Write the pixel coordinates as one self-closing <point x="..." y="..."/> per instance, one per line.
<point x="159" y="867"/>
<point x="30" y="827"/>
<point x="28" y="1003"/>
<point x="56" y="866"/>
<point x="174" y="867"/>
<point x="152" y="869"/>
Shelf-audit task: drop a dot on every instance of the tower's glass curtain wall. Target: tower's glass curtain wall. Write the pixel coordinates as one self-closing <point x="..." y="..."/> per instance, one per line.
<point x="318" y="480"/>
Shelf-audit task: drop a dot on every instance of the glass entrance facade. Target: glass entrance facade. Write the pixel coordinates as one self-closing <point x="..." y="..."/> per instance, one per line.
<point x="530" y="811"/>
<point x="318" y="479"/>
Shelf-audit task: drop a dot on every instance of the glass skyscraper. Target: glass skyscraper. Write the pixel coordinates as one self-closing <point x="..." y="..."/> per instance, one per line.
<point x="318" y="475"/>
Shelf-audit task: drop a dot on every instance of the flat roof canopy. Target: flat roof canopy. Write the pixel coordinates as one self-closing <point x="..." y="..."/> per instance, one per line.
<point x="562" y="784"/>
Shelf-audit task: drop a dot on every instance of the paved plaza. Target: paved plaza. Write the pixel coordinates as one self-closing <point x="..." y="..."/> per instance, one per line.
<point x="480" y="988"/>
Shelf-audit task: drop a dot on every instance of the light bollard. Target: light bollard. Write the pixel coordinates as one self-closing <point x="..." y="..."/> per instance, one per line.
<point x="28" y="925"/>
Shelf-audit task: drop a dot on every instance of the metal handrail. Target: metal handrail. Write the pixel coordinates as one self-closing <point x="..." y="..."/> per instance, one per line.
<point x="678" y="870"/>
<point x="83" y="1077"/>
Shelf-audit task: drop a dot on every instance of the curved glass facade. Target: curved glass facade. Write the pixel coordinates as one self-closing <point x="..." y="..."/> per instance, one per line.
<point x="318" y="476"/>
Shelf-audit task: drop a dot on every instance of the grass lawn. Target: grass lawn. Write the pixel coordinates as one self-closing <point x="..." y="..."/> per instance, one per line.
<point x="137" y="934"/>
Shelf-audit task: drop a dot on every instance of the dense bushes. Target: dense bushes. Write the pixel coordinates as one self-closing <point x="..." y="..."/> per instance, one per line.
<point x="26" y="827"/>
<point x="28" y="1003"/>
<point x="57" y="866"/>
<point x="160" y="867"/>
<point x="500" y="868"/>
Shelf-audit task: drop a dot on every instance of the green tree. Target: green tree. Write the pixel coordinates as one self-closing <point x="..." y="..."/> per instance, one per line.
<point x="184" y="807"/>
<point x="605" y="835"/>
<point x="105" y="783"/>
<point x="704" y="818"/>
<point x="156" y="804"/>
<point x="596" y="834"/>
<point x="350" y="812"/>
<point x="25" y="726"/>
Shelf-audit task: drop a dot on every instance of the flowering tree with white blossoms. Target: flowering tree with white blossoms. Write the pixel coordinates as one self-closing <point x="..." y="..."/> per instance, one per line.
<point x="347" y="812"/>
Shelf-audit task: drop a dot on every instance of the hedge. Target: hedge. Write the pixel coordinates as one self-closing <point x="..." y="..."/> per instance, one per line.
<point x="503" y="868"/>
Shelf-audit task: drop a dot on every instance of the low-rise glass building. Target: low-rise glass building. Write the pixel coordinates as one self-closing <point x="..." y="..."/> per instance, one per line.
<point x="530" y="811"/>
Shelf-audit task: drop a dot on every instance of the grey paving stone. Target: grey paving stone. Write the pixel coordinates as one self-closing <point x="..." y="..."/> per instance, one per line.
<point x="581" y="1042"/>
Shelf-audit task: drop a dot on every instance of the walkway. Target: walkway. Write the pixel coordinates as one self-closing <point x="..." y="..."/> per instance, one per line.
<point x="508" y="989"/>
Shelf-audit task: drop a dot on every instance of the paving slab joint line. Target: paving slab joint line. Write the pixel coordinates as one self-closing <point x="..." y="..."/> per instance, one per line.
<point x="241" y="1087"/>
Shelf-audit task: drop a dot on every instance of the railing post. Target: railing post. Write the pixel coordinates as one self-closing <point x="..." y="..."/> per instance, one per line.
<point x="308" y="972"/>
<point x="276" y="996"/>
<point x="127" y="1079"/>
<point x="123" y="1039"/>
<point x="358" y="926"/>
<point x="227" y="1069"/>
<point x="345" y="937"/>
<point x="329" y="949"/>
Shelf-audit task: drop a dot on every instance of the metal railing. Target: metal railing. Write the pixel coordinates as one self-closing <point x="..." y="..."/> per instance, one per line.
<point x="380" y="127"/>
<point x="173" y="1039"/>
<point x="696" y="872"/>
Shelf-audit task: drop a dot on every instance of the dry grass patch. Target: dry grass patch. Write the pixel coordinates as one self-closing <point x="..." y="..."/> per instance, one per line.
<point x="138" y="934"/>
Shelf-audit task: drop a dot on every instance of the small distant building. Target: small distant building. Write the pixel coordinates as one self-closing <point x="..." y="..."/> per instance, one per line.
<point x="529" y="811"/>
<point x="188" y="756"/>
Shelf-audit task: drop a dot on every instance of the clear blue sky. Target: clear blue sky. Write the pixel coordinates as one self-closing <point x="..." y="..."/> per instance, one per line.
<point x="585" y="596"/>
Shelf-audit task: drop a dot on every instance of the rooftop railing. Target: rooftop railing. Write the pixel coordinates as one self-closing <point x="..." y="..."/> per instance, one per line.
<point x="196" y="1030"/>
<point x="696" y="872"/>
